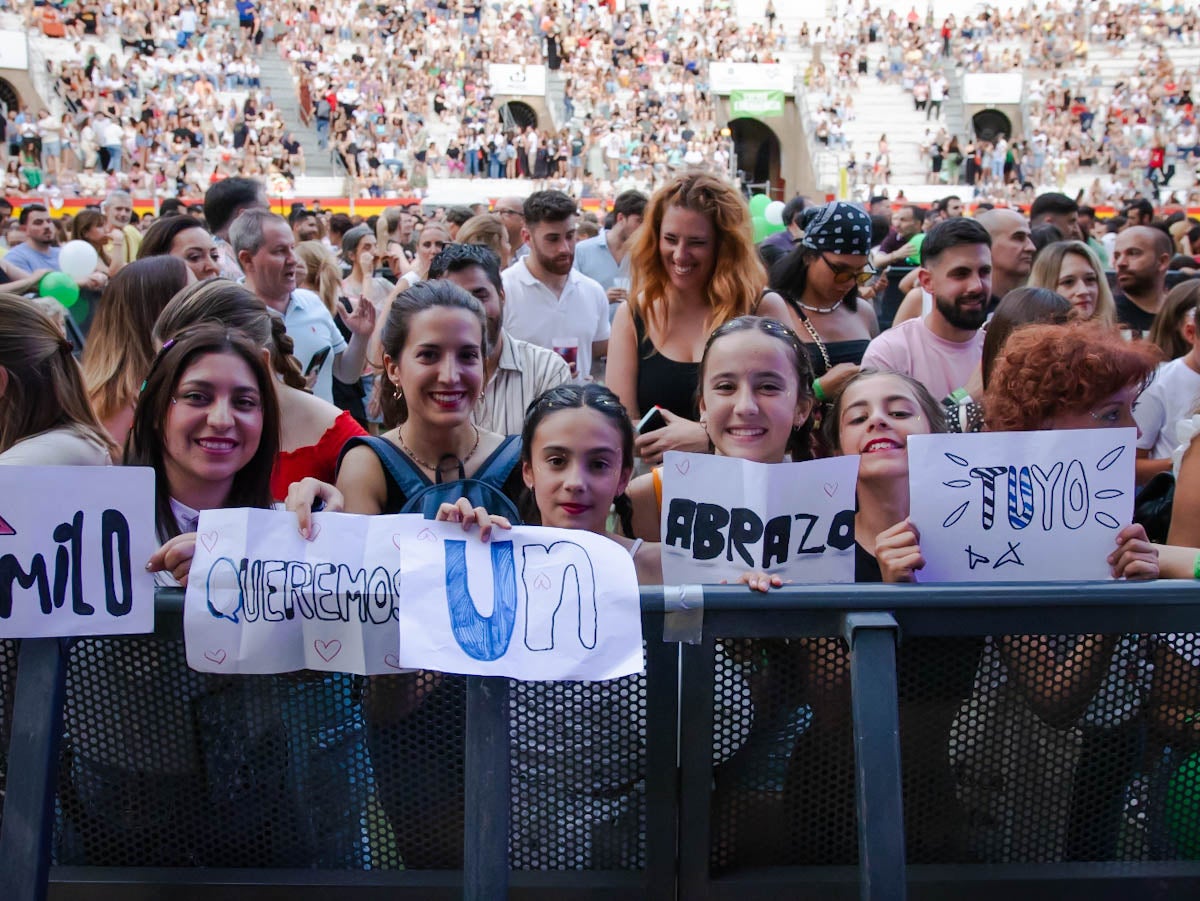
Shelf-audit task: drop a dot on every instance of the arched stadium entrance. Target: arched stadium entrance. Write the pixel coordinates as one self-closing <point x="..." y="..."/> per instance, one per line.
<point x="757" y="151"/>
<point x="989" y="124"/>
<point x="518" y="114"/>
<point x="9" y="99"/>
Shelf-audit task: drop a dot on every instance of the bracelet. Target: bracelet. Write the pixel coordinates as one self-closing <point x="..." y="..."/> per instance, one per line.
<point x="1196" y="568"/>
<point x="819" y="394"/>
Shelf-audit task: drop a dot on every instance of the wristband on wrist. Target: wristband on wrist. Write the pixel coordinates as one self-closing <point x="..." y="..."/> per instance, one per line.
<point x="819" y="394"/>
<point x="960" y="397"/>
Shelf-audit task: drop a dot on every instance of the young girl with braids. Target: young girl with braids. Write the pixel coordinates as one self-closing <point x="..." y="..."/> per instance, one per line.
<point x="313" y="429"/>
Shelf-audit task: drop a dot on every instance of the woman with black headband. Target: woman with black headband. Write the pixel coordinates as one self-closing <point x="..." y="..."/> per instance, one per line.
<point x="820" y="281"/>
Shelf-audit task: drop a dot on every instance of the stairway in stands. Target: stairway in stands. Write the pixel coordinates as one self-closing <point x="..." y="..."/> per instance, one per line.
<point x="276" y="75"/>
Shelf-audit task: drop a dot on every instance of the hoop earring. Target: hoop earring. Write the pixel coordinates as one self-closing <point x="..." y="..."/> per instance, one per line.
<point x="397" y="393"/>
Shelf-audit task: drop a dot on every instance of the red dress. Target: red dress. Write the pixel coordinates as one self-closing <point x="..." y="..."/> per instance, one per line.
<point x="317" y="460"/>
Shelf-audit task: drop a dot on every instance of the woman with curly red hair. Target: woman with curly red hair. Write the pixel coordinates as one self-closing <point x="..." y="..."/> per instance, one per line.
<point x="693" y="267"/>
<point x="1087" y="692"/>
<point x="1077" y="376"/>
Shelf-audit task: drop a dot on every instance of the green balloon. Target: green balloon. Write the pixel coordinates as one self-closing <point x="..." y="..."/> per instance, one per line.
<point x="775" y="229"/>
<point x="79" y="311"/>
<point x="762" y="228"/>
<point x="1183" y="807"/>
<point x="60" y="286"/>
<point x="759" y="204"/>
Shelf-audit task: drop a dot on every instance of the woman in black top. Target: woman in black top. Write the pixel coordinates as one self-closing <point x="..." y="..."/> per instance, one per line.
<point x="820" y="281"/>
<point x="694" y="268"/>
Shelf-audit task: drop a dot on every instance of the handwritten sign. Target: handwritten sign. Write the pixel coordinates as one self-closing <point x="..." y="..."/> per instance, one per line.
<point x="383" y="594"/>
<point x="74" y="541"/>
<point x="722" y="517"/>
<point x="1020" y="506"/>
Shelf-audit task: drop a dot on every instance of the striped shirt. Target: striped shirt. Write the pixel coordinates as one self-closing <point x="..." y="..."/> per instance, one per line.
<point x="524" y="372"/>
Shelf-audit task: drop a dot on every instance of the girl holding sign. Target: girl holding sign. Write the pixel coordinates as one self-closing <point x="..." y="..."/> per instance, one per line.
<point x="313" y="430"/>
<point x="756" y="397"/>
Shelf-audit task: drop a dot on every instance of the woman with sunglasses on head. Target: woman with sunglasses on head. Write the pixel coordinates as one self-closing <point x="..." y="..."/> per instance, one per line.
<point x="820" y="280"/>
<point x="694" y="268"/>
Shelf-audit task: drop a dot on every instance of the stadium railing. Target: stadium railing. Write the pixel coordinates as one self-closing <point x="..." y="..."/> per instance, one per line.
<point x="758" y="756"/>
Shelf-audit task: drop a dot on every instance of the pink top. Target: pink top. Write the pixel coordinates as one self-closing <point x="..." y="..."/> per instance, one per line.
<point x="912" y="349"/>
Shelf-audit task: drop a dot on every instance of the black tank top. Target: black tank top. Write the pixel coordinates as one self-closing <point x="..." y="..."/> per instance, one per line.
<point x="663" y="382"/>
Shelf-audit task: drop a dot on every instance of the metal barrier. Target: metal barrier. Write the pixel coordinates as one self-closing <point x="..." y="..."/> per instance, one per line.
<point x="733" y="768"/>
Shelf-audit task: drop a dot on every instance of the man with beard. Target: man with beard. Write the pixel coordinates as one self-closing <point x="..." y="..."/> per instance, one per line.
<point x="550" y="303"/>
<point x="1140" y="257"/>
<point x="942" y="349"/>
<point x="266" y="250"/>
<point x="515" y="371"/>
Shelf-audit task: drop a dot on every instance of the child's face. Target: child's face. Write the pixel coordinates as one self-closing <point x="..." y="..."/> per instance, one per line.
<point x="575" y="468"/>
<point x="750" y="396"/>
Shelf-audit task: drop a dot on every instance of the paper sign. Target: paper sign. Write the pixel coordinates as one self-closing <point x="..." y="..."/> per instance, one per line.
<point x="382" y="594"/>
<point x="722" y="517"/>
<point x="1020" y="506"/>
<point x="74" y="541"/>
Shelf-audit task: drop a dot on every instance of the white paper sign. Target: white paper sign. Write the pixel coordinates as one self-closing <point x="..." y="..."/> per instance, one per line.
<point x="722" y="517"/>
<point x="1020" y="506"/>
<point x="74" y="541"/>
<point x="383" y="594"/>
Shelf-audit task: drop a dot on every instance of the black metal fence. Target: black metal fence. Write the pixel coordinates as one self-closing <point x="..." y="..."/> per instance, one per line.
<point x="824" y="742"/>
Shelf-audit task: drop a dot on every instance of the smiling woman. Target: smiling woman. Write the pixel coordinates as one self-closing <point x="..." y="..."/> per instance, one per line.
<point x="694" y="268"/>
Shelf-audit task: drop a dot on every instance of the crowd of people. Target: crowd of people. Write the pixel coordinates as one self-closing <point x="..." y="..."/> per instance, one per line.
<point x="1131" y="136"/>
<point x="181" y="104"/>
<point x="256" y="360"/>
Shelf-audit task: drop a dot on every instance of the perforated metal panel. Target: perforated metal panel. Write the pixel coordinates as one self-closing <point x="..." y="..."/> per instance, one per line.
<point x="578" y="775"/>
<point x="1015" y="750"/>
<point x="165" y="767"/>
<point x="8" y="682"/>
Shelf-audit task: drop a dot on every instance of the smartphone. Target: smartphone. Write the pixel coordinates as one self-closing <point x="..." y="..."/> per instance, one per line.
<point x="317" y="361"/>
<point x="652" y="421"/>
<point x="346" y="305"/>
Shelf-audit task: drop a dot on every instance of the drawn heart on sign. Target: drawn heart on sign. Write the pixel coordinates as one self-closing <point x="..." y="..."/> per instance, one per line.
<point x="313" y="531"/>
<point x="396" y="539"/>
<point x="392" y="660"/>
<point x="209" y="540"/>
<point x="682" y="468"/>
<point x="830" y="489"/>
<point x="217" y="656"/>
<point x="426" y="535"/>
<point x="327" y="650"/>
<point x="542" y="582"/>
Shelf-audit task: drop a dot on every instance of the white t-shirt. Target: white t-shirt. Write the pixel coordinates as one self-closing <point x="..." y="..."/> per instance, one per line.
<point x="58" y="447"/>
<point x="312" y="329"/>
<point x="1171" y="398"/>
<point x="533" y="313"/>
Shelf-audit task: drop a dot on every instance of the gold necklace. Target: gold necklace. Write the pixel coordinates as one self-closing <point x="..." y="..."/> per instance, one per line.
<point x="817" y="341"/>
<point x="412" y="456"/>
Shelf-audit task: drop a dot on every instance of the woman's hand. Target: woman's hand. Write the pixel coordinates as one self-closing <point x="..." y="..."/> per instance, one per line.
<point x="760" y="581"/>
<point x="1135" y="557"/>
<point x="302" y="496"/>
<point x="833" y="381"/>
<point x="898" y="552"/>
<point x="462" y="512"/>
<point x="678" y="434"/>
<point x="175" y="557"/>
<point x="362" y="320"/>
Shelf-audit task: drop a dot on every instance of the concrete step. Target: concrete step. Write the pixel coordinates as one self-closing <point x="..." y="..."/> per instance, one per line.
<point x="277" y="75"/>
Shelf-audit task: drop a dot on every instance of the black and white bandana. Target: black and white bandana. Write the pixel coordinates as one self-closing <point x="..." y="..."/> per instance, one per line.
<point x="837" y="227"/>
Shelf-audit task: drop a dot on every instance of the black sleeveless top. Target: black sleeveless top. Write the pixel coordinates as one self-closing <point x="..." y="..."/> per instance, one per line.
<point x="839" y="352"/>
<point x="663" y="382"/>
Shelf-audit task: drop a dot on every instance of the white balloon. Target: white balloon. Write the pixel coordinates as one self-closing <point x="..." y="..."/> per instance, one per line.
<point x="78" y="259"/>
<point x="774" y="212"/>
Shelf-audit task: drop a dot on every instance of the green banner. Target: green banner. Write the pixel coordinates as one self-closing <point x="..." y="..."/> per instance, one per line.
<point x="762" y="104"/>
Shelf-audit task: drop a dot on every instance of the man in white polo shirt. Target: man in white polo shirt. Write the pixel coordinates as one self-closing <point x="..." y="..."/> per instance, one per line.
<point x="266" y="250"/>
<point x="547" y="300"/>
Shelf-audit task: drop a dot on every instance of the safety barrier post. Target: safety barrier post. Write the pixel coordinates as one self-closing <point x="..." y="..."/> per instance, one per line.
<point x="32" y="769"/>
<point x="485" y="844"/>
<point x="875" y="704"/>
